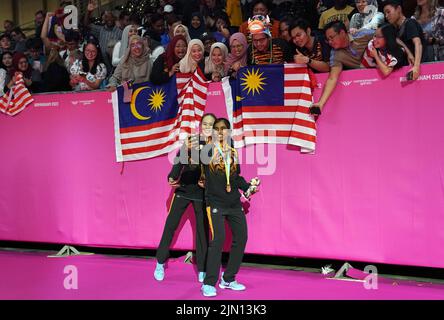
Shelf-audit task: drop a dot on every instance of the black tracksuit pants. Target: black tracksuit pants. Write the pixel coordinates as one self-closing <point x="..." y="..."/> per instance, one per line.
<point x="178" y="206"/>
<point x="238" y="224"/>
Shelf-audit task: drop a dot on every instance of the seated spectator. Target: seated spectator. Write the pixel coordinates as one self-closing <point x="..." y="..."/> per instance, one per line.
<point x="121" y="46"/>
<point x="437" y="39"/>
<point x="135" y="65"/>
<point x="425" y="12"/>
<point x="72" y="51"/>
<point x="21" y="65"/>
<point x="311" y="47"/>
<point x="409" y="32"/>
<point x="214" y="63"/>
<point x="384" y="52"/>
<point x="261" y="8"/>
<point x="194" y="58"/>
<point x="339" y="12"/>
<point x="8" y="25"/>
<point x="265" y="49"/>
<point x="208" y="39"/>
<point x="238" y="54"/>
<point x="197" y="25"/>
<point x="167" y="64"/>
<point x="55" y="76"/>
<point x="345" y="53"/>
<point x="89" y="72"/>
<point x="19" y="39"/>
<point x="367" y="16"/>
<point x="5" y="43"/>
<point x="180" y="29"/>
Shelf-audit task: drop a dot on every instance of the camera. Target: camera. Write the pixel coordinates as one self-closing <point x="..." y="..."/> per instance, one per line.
<point x="409" y="75"/>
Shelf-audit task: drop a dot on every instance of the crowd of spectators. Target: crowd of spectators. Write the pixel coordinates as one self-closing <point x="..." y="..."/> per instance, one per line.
<point x="219" y="37"/>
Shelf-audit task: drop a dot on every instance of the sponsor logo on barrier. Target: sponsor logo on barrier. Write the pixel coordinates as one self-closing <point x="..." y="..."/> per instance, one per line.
<point x="361" y="82"/>
<point x="87" y="102"/>
<point x="46" y="104"/>
<point x="75" y="102"/>
<point x="346" y="83"/>
<point x="425" y="77"/>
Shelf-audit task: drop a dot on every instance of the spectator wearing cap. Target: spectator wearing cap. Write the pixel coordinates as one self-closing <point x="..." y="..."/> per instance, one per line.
<point x="106" y="33"/>
<point x="5" y="43"/>
<point x="122" y="45"/>
<point x="261" y="8"/>
<point x="89" y="72"/>
<point x="264" y="49"/>
<point x="135" y="65"/>
<point x="197" y="25"/>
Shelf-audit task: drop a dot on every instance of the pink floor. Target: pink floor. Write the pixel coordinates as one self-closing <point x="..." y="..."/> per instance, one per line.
<point x="31" y="275"/>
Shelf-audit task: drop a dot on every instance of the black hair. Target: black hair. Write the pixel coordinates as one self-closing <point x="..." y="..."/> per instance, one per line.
<point x="40" y="12"/>
<point x="392" y="47"/>
<point x="85" y="66"/>
<point x="1" y="59"/>
<point x="72" y="35"/>
<point x="123" y="14"/>
<point x="300" y="23"/>
<point x="156" y="17"/>
<point x="224" y="120"/>
<point x="393" y="3"/>
<point x="264" y="2"/>
<point x="336" y="25"/>
<point x="34" y="43"/>
<point x="5" y="35"/>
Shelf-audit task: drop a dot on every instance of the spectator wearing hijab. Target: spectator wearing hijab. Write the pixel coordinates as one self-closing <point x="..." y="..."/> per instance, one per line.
<point x="194" y="58"/>
<point x="214" y="63"/>
<point x="122" y="45"/>
<point x="180" y="29"/>
<point x="135" y="65"/>
<point x="167" y="64"/>
<point x="238" y="54"/>
<point x="21" y="65"/>
<point x="197" y="26"/>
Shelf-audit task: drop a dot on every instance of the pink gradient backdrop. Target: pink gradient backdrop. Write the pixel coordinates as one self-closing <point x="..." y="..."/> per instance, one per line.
<point x="374" y="190"/>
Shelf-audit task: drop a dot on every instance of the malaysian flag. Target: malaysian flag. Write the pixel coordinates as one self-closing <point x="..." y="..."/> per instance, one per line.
<point x="158" y="117"/>
<point x="17" y="98"/>
<point x="271" y="105"/>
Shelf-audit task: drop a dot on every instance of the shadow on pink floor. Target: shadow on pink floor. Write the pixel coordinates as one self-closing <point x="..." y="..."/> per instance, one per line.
<point x="26" y="275"/>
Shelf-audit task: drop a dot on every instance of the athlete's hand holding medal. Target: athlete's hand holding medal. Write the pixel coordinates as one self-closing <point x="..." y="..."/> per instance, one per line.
<point x="254" y="187"/>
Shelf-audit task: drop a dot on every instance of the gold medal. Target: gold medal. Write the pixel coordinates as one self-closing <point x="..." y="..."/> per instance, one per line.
<point x="228" y="188"/>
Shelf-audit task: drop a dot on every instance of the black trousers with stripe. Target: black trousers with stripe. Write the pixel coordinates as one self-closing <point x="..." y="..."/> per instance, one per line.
<point x="177" y="209"/>
<point x="238" y="224"/>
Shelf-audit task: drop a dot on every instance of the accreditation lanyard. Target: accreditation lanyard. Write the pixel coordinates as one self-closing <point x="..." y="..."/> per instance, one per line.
<point x="227" y="162"/>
